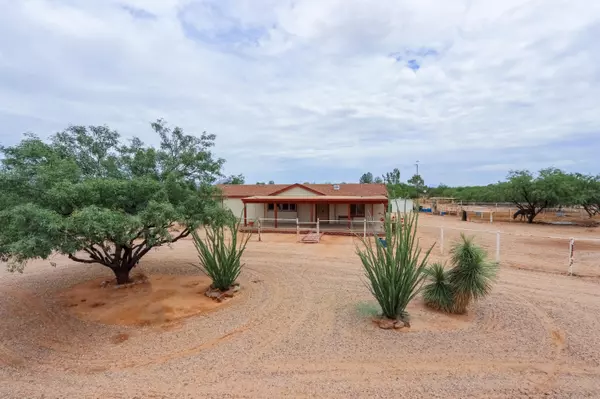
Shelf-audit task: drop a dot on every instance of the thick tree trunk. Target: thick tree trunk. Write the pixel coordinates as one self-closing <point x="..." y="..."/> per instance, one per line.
<point x="122" y="274"/>
<point x="530" y="217"/>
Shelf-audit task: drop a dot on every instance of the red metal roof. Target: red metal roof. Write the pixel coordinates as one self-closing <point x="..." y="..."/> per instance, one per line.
<point x="350" y="189"/>
<point x="330" y="199"/>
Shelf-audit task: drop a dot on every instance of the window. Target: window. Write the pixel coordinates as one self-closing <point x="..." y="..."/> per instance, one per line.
<point x="357" y="210"/>
<point x="286" y="207"/>
<point x="270" y="207"/>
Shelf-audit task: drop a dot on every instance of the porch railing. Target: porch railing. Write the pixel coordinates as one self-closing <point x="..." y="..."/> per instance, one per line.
<point x="363" y="226"/>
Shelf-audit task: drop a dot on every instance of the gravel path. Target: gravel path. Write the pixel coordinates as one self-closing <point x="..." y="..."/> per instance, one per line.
<point x="297" y="331"/>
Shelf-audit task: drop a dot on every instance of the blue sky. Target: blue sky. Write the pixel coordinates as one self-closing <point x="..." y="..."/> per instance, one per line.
<point x="305" y="90"/>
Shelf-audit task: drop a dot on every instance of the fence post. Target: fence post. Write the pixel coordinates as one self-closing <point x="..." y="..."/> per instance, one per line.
<point x="492" y="217"/>
<point x="442" y="239"/>
<point x="297" y="230"/>
<point x="497" y="246"/>
<point x="365" y="228"/>
<point x="259" y="228"/>
<point x="571" y="255"/>
<point x="317" y="226"/>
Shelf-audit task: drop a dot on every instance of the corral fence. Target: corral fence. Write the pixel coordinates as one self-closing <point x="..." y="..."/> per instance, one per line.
<point x="548" y="253"/>
<point x="505" y="212"/>
<point x="556" y="254"/>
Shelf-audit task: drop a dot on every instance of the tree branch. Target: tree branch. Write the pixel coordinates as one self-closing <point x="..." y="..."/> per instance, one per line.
<point x="76" y="259"/>
<point x="94" y="253"/>
<point x="186" y="232"/>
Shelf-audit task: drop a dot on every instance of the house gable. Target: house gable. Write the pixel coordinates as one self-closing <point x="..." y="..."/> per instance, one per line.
<point x="296" y="190"/>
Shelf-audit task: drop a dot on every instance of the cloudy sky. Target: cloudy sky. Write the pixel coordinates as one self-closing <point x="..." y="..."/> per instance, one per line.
<point x="318" y="90"/>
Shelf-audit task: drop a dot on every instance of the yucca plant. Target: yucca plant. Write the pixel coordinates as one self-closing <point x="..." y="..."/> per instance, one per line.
<point x="472" y="274"/>
<point x="395" y="270"/>
<point x="220" y="253"/>
<point x="438" y="293"/>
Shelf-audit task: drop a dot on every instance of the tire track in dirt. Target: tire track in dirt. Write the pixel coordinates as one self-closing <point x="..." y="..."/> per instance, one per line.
<point x="294" y="298"/>
<point x="275" y="286"/>
<point x="556" y="336"/>
<point x="54" y="345"/>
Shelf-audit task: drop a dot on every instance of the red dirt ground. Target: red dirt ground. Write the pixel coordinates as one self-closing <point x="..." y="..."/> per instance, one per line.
<point x="302" y="328"/>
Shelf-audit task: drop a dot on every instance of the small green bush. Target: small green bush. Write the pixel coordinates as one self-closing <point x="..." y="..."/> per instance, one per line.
<point x="438" y="293"/>
<point x="220" y="253"/>
<point x="394" y="271"/>
<point x="469" y="279"/>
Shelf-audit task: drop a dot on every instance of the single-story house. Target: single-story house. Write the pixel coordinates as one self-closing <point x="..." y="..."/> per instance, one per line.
<point x="277" y="204"/>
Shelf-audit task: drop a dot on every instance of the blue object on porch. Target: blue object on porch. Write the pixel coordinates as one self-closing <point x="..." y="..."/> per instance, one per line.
<point x="442" y="213"/>
<point x="383" y="242"/>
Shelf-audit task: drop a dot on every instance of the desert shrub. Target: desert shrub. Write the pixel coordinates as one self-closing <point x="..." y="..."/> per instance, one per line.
<point x="469" y="279"/>
<point x="472" y="273"/>
<point x="438" y="292"/>
<point x="220" y="253"/>
<point x="394" y="271"/>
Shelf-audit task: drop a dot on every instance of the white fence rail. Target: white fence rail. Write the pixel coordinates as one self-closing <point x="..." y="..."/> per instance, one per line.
<point x="545" y="253"/>
<point x="582" y="254"/>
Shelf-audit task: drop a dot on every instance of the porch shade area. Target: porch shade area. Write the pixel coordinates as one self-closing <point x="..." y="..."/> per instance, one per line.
<point x="348" y="204"/>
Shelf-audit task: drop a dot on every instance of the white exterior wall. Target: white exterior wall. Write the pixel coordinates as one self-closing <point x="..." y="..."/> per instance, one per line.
<point x="400" y="204"/>
<point x="378" y="212"/>
<point x="253" y="211"/>
<point x="304" y="212"/>
<point x="296" y="191"/>
<point x="336" y="210"/>
<point x="282" y="215"/>
<point x="235" y="205"/>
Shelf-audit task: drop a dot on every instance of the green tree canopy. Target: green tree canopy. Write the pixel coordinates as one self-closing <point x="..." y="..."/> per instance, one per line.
<point x="366" y="178"/>
<point x="87" y="195"/>
<point x="532" y="194"/>
<point x="392" y="177"/>
<point x="236" y="179"/>
<point x="586" y="192"/>
<point x="416" y="181"/>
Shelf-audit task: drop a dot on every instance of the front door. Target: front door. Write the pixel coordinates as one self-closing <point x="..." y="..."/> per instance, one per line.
<point x="323" y="212"/>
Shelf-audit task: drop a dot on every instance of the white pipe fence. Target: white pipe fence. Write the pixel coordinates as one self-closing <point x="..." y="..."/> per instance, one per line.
<point x="571" y="242"/>
<point x="366" y="226"/>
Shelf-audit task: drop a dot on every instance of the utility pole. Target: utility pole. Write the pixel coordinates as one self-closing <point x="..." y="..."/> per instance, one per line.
<point x="417" y="183"/>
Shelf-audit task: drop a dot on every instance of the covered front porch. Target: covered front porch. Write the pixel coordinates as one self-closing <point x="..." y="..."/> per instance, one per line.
<point x="329" y="213"/>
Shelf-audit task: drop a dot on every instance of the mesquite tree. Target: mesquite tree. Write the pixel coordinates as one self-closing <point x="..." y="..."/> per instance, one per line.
<point x="532" y="194"/>
<point x="87" y="195"/>
<point x="587" y="193"/>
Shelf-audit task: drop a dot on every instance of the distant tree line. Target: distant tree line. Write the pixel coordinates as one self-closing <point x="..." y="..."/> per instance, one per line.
<point x="530" y="192"/>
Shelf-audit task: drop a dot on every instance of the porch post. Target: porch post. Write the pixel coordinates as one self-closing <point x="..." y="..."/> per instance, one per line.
<point x="348" y="215"/>
<point x="312" y="209"/>
<point x="245" y="216"/>
<point x="275" y="213"/>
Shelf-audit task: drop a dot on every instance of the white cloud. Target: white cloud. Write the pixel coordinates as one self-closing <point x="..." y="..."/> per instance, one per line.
<point x="317" y="90"/>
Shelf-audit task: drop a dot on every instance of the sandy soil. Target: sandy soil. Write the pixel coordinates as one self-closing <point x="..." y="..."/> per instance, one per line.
<point x="161" y="300"/>
<point x="302" y="328"/>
